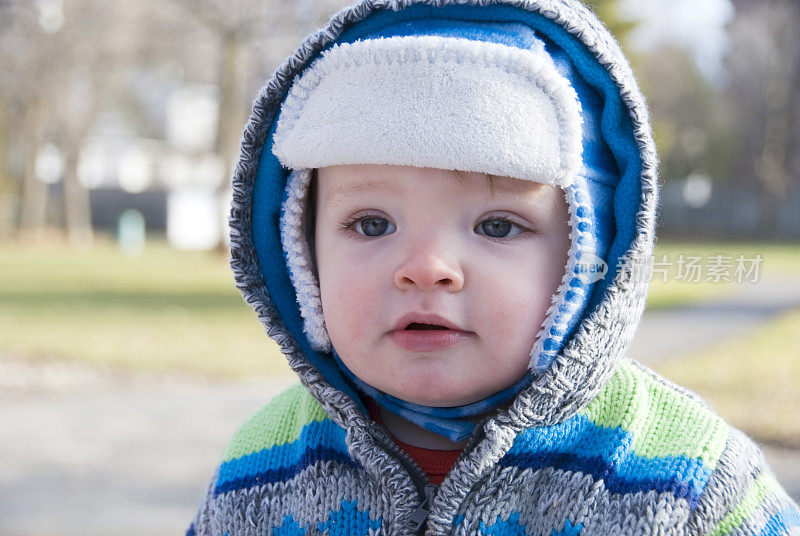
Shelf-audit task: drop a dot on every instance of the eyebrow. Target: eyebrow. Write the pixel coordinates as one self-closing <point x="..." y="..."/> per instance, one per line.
<point x="496" y="184"/>
<point x="369" y="186"/>
<point x="503" y="193"/>
<point x="349" y="190"/>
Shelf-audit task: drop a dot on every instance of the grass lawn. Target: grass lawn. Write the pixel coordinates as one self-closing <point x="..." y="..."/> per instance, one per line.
<point x="163" y="311"/>
<point x="179" y="311"/>
<point x="672" y="291"/>
<point x="753" y="381"/>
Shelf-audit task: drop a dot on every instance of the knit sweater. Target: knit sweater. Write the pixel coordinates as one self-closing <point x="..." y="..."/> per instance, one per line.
<point x="434" y="463"/>
<point x="644" y="457"/>
<point x="595" y="445"/>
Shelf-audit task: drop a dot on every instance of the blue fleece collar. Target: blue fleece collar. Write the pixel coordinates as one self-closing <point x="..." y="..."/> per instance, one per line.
<point x="453" y="422"/>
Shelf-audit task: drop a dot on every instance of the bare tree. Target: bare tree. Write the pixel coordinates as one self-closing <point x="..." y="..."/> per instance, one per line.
<point x="252" y="36"/>
<point x="691" y="123"/>
<point x="21" y="62"/>
<point x="56" y="55"/>
<point x="62" y="62"/>
<point x="764" y="83"/>
<point x="242" y="27"/>
<point x="81" y="70"/>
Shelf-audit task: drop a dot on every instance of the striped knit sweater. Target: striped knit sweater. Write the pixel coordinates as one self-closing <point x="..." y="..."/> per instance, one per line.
<point x="596" y="445"/>
<point x="643" y="457"/>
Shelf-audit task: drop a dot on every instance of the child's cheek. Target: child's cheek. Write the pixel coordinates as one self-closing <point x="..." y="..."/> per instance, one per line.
<point x="348" y="307"/>
<point x="517" y="309"/>
<point x="520" y="315"/>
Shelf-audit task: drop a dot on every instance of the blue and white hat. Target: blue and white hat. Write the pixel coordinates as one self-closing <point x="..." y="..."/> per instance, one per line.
<point x="482" y="97"/>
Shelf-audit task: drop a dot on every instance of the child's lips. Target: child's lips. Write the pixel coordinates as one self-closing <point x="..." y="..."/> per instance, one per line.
<point x="427" y="340"/>
<point x="426" y="332"/>
<point x="419" y="320"/>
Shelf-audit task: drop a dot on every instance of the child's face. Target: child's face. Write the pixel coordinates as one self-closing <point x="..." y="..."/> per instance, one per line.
<point x="401" y="247"/>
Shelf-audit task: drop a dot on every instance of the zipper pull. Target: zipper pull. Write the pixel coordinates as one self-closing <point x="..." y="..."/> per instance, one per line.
<point x="420" y="515"/>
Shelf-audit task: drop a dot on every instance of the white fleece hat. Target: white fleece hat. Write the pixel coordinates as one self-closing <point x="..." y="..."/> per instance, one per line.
<point x="431" y="101"/>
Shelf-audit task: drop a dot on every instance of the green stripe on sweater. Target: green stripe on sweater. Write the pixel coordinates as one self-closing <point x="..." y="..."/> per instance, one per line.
<point x="278" y="422"/>
<point x="663" y="422"/>
<point x="763" y="486"/>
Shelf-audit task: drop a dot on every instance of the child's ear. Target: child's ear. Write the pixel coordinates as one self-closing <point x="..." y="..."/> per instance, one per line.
<point x="309" y="220"/>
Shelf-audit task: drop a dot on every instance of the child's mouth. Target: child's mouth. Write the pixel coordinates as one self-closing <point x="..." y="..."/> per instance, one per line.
<point x="424" y="327"/>
<point x="425" y="337"/>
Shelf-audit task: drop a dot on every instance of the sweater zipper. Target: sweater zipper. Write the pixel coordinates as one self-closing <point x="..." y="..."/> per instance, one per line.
<point x="425" y="490"/>
<point x="476" y="438"/>
<point x="420" y="515"/>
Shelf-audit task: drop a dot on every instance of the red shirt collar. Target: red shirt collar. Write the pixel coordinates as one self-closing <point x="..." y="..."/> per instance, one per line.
<point x="434" y="463"/>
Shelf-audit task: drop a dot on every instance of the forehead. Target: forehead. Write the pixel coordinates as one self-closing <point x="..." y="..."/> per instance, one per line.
<point x="338" y="183"/>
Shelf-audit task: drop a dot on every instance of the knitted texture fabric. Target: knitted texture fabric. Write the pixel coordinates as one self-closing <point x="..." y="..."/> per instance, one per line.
<point x="643" y="457"/>
<point x="595" y="445"/>
<point x="433" y="462"/>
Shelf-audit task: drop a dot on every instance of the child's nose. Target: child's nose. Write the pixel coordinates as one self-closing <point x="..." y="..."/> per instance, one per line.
<point x="429" y="270"/>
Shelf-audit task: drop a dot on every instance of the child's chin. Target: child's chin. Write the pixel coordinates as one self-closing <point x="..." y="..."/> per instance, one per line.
<point x="439" y="399"/>
<point x="434" y="390"/>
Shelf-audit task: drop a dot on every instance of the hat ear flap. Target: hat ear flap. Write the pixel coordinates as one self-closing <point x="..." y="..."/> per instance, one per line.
<point x="297" y="225"/>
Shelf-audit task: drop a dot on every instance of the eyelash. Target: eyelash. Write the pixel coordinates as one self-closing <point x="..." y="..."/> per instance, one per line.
<point x="523" y="229"/>
<point x="350" y="223"/>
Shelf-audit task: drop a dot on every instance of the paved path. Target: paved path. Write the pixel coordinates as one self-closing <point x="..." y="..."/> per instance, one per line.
<point x="85" y="453"/>
<point x="671" y="332"/>
<point x="89" y="452"/>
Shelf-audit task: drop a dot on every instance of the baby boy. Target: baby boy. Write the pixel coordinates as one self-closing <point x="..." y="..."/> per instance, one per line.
<point x="437" y="214"/>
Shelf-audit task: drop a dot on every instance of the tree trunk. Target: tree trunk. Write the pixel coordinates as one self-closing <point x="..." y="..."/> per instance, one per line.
<point x="34" y="191"/>
<point x="771" y="166"/>
<point x="77" y="209"/>
<point x="233" y="112"/>
<point x="9" y="191"/>
<point x="233" y="107"/>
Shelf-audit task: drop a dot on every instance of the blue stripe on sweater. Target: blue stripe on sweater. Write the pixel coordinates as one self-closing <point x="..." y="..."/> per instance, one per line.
<point x="280" y="474"/>
<point x="607" y="454"/>
<point x="601" y="470"/>
<point x="780" y="522"/>
<point x="318" y="441"/>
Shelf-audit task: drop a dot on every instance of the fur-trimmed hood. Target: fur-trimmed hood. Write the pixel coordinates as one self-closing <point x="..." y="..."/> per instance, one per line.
<point x="586" y="352"/>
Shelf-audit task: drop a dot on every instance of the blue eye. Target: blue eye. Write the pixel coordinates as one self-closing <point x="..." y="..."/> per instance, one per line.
<point x="498" y="228"/>
<point x="374" y="226"/>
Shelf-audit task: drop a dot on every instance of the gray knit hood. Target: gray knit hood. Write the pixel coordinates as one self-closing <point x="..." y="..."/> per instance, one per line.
<point x="579" y="349"/>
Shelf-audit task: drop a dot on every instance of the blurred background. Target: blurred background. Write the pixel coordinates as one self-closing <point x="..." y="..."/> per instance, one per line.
<point x="127" y="357"/>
